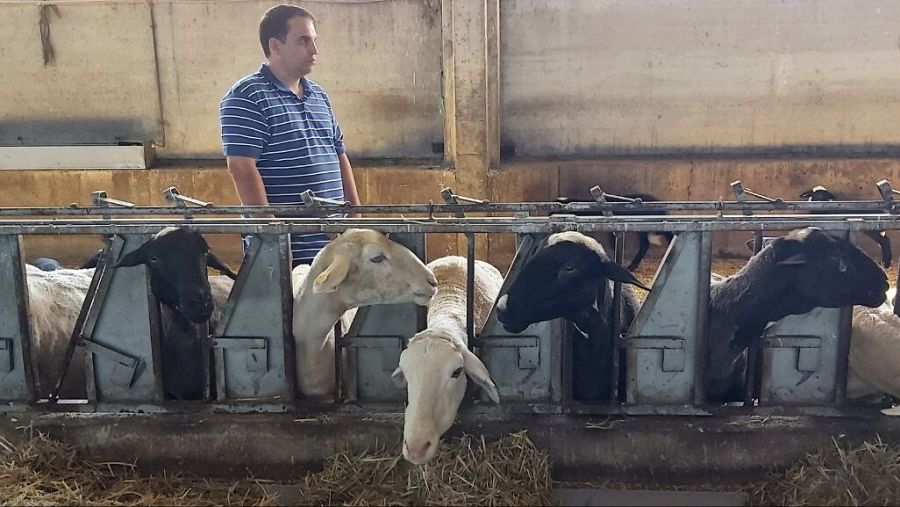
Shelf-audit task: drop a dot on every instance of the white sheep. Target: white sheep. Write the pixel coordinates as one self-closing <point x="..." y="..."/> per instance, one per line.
<point x="360" y="267"/>
<point x="875" y="352"/>
<point x="431" y="368"/>
<point x="56" y="298"/>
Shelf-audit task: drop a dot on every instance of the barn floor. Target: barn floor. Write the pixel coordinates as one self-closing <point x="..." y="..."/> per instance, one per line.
<point x="722" y="452"/>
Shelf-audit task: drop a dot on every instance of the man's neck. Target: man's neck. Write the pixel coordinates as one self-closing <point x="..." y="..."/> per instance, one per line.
<point x="292" y="82"/>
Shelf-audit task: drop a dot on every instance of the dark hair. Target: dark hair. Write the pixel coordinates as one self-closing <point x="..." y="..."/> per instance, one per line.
<point x="274" y="23"/>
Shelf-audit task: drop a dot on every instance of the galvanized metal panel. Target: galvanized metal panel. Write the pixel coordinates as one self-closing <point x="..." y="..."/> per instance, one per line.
<point x="253" y="345"/>
<point x="663" y="341"/>
<point x="525" y="366"/>
<point x="16" y="376"/>
<point x="800" y="358"/>
<point x="122" y="331"/>
<point x="375" y="340"/>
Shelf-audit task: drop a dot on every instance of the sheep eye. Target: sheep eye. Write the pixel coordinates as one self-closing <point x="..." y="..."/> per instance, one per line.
<point x="569" y="268"/>
<point x="155" y="258"/>
<point x="457" y="372"/>
<point x="378" y="258"/>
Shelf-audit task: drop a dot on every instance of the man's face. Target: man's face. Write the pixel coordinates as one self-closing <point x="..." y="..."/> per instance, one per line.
<point x="298" y="53"/>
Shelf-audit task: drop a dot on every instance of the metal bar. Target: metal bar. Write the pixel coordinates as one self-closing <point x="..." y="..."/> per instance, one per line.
<point x="470" y="288"/>
<point x="172" y="194"/>
<point x="532" y="225"/>
<point x="868" y="206"/>
<point x="451" y="199"/>
<point x="617" y="302"/>
<point x="702" y="324"/>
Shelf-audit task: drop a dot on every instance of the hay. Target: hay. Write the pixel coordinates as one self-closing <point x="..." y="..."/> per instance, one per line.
<point x="41" y="471"/>
<point x="466" y="471"/>
<point x="840" y="475"/>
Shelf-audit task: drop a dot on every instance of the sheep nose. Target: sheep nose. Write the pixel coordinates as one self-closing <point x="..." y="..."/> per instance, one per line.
<point x="432" y="281"/>
<point x="417" y="454"/>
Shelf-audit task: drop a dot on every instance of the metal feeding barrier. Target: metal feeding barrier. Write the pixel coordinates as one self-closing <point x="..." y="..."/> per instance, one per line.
<point x="657" y="363"/>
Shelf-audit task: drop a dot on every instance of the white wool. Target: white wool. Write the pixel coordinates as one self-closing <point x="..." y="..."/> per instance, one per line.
<point x="576" y="237"/>
<point x="447" y="311"/>
<point x="874" y="352"/>
<point x="400" y="277"/>
<point x="54" y="302"/>
<point x="436" y="352"/>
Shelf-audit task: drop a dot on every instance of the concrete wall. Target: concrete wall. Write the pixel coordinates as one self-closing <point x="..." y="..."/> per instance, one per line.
<point x="565" y="82"/>
<point x="587" y="77"/>
<point x="380" y="62"/>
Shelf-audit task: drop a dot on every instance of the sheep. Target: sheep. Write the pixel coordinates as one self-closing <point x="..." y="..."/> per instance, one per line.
<point x="432" y="365"/>
<point x="572" y="277"/>
<point x="46" y="264"/>
<point x="805" y="269"/>
<point x="646" y="238"/>
<point x="875" y="351"/>
<point x="177" y="260"/>
<point x="360" y="267"/>
<point x="820" y="193"/>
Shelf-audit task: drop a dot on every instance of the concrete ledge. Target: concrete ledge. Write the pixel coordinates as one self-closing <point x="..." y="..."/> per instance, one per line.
<point x="285" y="446"/>
<point x="74" y="157"/>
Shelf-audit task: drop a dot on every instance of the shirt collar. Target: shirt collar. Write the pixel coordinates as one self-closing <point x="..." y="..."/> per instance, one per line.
<point x="267" y="72"/>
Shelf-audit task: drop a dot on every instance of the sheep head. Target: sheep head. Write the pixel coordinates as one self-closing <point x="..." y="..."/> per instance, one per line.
<point x="363" y="267"/>
<point x="562" y="280"/>
<point x="434" y="368"/>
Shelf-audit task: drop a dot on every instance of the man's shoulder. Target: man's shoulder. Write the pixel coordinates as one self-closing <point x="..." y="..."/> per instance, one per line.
<point x="249" y="84"/>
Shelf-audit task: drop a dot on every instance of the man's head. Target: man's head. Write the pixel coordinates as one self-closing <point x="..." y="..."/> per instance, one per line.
<point x="288" y="36"/>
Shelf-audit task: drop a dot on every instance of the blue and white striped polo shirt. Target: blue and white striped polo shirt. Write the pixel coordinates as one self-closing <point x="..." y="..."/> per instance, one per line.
<point x="295" y="141"/>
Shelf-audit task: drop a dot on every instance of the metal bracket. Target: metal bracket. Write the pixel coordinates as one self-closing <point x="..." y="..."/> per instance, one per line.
<point x="100" y="199"/>
<point x="258" y="350"/>
<point x="887" y="193"/>
<point x="388" y="347"/>
<point x="809" y="350"/>
<point x="6" y="355"/>
<point x="181" y="201"/>
<point x="314" y="204"/>
<point x="527" y="348"/>
<point x="123" y="373"/>
<point x="672" y="348"/>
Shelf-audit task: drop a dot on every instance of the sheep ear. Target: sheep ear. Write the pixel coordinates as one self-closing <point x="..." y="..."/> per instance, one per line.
<point x="477" y="371"/>
<point x="398" y="378"/>
<point x="617" y="273"/>
<point x="893" y="411"/>
<point x="133" y="258"/>
<point x="788" y="252"/>
<point x="334" y="274"/>
<point x="217" y="264"/>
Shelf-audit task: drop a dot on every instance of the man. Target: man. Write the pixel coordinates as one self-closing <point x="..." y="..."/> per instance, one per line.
<point x="279" y="134"/>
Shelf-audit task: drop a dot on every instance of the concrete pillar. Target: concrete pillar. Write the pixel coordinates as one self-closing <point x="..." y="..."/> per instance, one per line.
<point x="471" y="63"/>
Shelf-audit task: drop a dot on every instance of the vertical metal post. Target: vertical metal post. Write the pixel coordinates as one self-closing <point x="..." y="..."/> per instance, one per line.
<point x="616" y="378"/>
<point x="470" y="288"/>
<point x="700" y="347"/>
<point x="450" y="198"/>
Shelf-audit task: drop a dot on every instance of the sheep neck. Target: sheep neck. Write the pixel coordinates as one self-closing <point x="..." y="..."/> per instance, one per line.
<point x="317" y="312"/>
<point x="744" y="301"/>
<point x="444" y="311"/>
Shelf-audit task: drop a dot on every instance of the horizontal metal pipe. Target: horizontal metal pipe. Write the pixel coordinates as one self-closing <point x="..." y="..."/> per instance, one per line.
<point x="427" y="209"/>
<point x="469" y="224"/>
